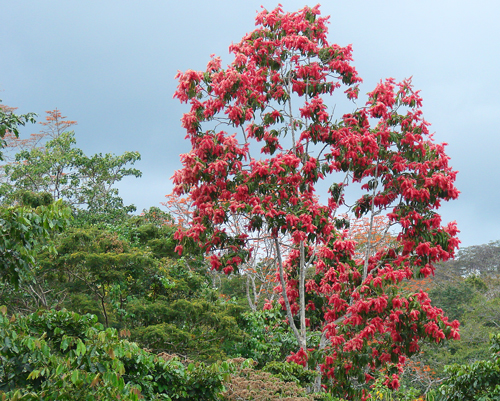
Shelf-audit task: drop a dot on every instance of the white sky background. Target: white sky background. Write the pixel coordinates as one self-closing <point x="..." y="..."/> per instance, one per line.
<point x="110" y="65"/>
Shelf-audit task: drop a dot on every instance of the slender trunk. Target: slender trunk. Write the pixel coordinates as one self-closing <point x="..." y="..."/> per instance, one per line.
<point x="370" y="231"/>
<point x="290" y="111"/>
<point x="317" y="382"/>
<point x="104" y="311"/>
<point x="254" y="291"/>
<point x="250" y="303"/>
<point x="301" y="340"/>
<point x="302" y="295"/>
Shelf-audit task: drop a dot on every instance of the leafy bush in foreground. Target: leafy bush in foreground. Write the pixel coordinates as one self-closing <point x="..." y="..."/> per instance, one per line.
<point x="476" y="381"/>
<point x="60" y="355"/>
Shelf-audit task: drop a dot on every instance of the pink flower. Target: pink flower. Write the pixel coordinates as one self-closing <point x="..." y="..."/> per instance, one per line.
<point x="267" y="305"/>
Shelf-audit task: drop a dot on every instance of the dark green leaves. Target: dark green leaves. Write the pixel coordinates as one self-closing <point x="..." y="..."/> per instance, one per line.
<point x="23" y="231"/>
<point x="90" y="363"/>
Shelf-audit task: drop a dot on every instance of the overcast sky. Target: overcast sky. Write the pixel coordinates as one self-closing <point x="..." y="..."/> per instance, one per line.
<point x="110" y="65"/>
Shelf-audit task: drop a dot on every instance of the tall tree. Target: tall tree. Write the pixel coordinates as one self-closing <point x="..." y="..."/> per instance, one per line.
<point x="483" y="260"/>
<point x="24" y="229"/>
<point x="58" y="167"/>
<point x="273" y="97"/>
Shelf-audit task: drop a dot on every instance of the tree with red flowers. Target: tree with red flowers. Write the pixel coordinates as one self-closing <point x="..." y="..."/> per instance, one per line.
<point x="274" y="98"/>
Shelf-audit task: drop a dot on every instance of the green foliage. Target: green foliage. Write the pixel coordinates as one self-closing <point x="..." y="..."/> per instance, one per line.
<point x="470" y="301"/>
<point x="152" y="230"/>
<point x="184" y="315"/>
<point x="453" y="298"/>
<point x="124" y="275"/>
<point x="480" y="319"/>
<point x="291" y="372"/>
<point x="192" y="327"/>
<point x="234" y="287"/>
<point x="121" y="268"/>
<point x="270" y="338"/>
<point x="158" y="239"/>
<point x="23" y="232"/>
<point x="10" y="122"/>
<point x="64" y="356"/>
<point x="64" y="171"/>
<point x="468" y="290"/>
<point x="34" y="199"/>
<point x="187" y="280"/>
<point x="477" y="381"/>
<point x="98" y="263"/>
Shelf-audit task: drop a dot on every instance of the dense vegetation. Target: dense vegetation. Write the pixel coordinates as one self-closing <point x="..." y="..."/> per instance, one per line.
<point x="97" y="303"/>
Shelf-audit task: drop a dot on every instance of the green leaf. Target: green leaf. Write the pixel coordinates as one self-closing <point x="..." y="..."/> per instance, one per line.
<point x="75" y="376"/>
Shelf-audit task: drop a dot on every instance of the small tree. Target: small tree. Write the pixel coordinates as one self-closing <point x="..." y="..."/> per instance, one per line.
<point x="24" y="230"/>
<point x="57" y="166"/>
<point x="273" y="97"/>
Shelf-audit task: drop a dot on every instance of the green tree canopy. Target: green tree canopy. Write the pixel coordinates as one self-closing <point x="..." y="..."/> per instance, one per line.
<point x="86" y="183"/>
<point x="24" y="229"/>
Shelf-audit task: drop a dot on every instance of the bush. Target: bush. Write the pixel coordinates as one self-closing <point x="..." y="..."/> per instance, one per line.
<point x="246" y="383"/>
<point x="476" y="381"/>
<point x="60" y="355"/>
